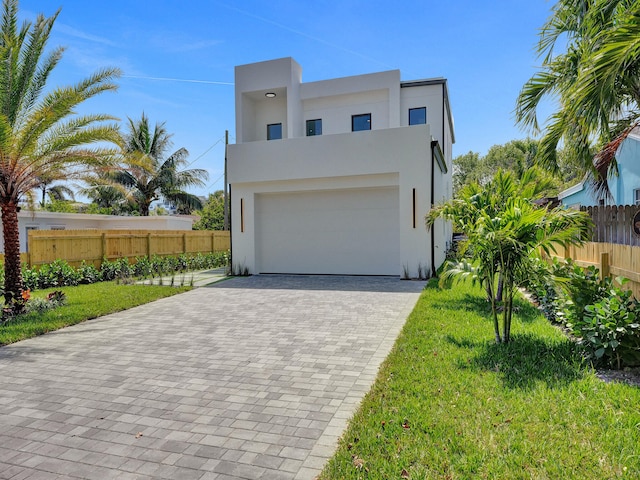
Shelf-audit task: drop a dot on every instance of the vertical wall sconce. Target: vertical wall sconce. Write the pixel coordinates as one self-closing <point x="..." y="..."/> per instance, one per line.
<point x="414" y="208"/>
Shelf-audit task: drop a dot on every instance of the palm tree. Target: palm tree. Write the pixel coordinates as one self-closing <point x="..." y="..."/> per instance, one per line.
<point x="146" y="174"/>
<point x="504" y="230"/>
<point x="54" y="191"/>
<point x="596" y="82"/>
<point x="39" y="133"/>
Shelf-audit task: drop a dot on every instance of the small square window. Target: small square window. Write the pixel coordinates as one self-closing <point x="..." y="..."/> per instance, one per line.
<point x="636" y="196"/>
<point x="274" y="131"/>
<point x="418" y="116"/>
<point x="314" y="127"/>
<point x="360" y="122"/>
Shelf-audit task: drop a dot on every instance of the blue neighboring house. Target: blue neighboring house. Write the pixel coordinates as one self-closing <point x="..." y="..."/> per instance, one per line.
<point x="625" y="188"/>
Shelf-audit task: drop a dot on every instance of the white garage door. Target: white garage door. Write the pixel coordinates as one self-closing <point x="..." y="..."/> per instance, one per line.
<point x="353" y="232"/>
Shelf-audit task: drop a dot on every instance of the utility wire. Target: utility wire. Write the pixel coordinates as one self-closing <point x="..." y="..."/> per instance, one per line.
<point x="205" y="152"/>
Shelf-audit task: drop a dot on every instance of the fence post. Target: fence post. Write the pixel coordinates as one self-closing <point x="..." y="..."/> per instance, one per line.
<point x="104" y="247"/>
<point x="604" y="265"/>
<point x="213" y="241"/>
<point x="184" y="243"/>
<point x="149" y="246"/>
<point x="567" y="252"/>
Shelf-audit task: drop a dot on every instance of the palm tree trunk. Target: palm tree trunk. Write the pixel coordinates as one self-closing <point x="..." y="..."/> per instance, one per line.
<point x="494" y="308"/>
<point x="500" y="288"/>
<point x="12" y="268"/>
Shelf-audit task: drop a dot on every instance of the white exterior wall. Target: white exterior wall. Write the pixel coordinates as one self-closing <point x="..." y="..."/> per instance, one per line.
<point x="341" y="161"/>
<point x="391" y="157"/>
<point x="40" y="220"/>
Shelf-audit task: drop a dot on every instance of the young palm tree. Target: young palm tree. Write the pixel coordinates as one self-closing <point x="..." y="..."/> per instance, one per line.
<point x="596" y="82"/>
<point x="39" y="133"/>
<point x="146" y="174"/>
<point x="504" y="230"/>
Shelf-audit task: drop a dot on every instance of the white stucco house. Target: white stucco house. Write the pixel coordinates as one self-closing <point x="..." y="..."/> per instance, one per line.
<point x="336" y="176"/>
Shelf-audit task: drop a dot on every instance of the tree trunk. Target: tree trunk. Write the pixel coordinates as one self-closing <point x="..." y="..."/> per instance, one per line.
<point x="12" y="268"/>
<point x="500" y="288"/>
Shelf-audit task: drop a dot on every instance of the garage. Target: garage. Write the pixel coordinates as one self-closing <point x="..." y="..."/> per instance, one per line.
<point x="352" y="232"/>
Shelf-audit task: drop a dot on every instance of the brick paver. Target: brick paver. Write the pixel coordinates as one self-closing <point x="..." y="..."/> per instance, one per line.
<point x="251" y="378"/>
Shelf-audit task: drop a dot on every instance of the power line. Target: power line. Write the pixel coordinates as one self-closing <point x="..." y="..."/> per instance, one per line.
<point x="205" y="152"/>
<point x="184" y="80"/>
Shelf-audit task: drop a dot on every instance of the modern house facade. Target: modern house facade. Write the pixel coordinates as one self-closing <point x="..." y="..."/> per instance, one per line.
<point x="336" y="176"/>
<point x="624" y="188"/>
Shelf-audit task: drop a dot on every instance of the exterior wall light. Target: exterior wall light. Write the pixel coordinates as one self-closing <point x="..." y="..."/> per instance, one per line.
<point x="270" y="94"/>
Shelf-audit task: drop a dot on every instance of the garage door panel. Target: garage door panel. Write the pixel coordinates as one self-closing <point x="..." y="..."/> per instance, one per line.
<point x="332" y="232"/>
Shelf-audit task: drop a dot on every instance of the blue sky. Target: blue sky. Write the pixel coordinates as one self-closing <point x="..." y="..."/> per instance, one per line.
<point x="485" y="48"/>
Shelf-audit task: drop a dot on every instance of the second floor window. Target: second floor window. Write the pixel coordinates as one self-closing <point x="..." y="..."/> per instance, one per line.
<point x="418" y="116"/>
<point x="274" y="131"/>
<point x="314" y="127"/>
<point x="360" y="122"/>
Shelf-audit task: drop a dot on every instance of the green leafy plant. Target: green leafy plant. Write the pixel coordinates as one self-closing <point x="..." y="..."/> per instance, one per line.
<point x="579" y="287"/>
<point x="608" y="332"/>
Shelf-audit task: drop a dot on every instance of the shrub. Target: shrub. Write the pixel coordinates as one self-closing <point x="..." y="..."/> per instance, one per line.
<point x="57" y="274"/>
<point x="580" y="287"/>
<point x="88" y="273"/>
<point x="541" y="286"/>
<point x="142" y="267"/>
<point x="608" y="332"/>
<point x="119" y="268"/>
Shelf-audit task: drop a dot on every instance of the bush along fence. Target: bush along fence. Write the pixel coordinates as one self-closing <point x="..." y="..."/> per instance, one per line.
<point x="615" y="224"/>
<point x="596" y="310"/>
<point x="60" y="273"/>
<point x="94" y="246"/>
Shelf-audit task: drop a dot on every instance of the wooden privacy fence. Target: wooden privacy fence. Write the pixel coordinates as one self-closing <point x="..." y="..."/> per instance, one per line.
<point x="614" y="224"/>
<point x="92" y="246"/>
<point x="611" y="259"/>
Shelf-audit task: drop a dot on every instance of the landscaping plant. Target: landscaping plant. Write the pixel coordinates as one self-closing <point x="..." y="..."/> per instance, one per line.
<point x="608" y="332"/>
<point x="42" y="135"/>
<point x="507" y="231"/>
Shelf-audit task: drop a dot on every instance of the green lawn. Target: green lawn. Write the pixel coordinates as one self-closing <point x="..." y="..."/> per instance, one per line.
<point x="449" y="403"/>
<point x="83" y="302"/>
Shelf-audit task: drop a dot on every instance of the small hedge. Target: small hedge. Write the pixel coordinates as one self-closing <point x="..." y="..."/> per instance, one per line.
<point x="60" y="273"/>
<point x="602" y="317"/>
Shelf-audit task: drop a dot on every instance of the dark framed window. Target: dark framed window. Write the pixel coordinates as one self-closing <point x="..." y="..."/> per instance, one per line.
<point x="418" y="116"/>
<point x="274" y="131"/>
<point x="361" y="122"/>
<point x="314" y="127"/>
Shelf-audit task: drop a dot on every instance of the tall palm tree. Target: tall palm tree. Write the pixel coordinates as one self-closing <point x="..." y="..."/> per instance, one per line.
<point x="596" y="82"/>
<point x="146" y="175"/>
<point x="39" y="133"/>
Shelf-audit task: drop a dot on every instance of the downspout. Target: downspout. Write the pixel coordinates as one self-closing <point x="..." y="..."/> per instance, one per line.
<point x="230" y="235"/>
<point x="433" y="235"/>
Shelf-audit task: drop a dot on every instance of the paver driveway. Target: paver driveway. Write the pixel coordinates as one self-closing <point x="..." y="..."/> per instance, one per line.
<point x="249" y="378"/>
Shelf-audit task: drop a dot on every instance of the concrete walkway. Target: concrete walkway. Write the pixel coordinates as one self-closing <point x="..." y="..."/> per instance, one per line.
<point x="250" y="378"/>
<point x="198" y="278"/>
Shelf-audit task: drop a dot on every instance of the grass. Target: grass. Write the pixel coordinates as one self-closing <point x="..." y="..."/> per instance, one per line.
<point x="83" y="303"/>
<point x="449" y="403"/>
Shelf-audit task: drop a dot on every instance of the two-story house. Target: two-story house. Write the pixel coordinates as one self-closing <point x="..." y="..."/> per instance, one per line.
<point x="336" y="176"/>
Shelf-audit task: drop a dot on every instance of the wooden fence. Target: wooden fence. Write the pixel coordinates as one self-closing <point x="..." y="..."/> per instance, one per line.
<point x="611" y="259"/>
<point x="615" y="224"/>
<point x="74" y="246"/>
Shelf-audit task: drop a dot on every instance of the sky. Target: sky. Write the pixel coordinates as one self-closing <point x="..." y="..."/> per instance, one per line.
<point x="178" y="57"/>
